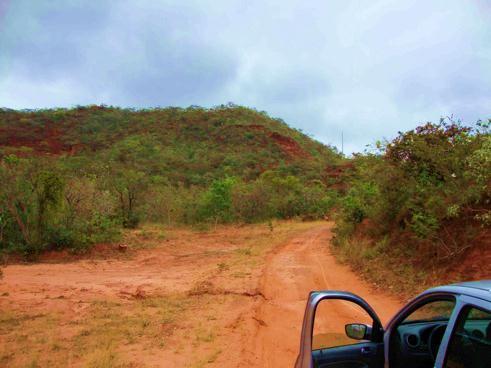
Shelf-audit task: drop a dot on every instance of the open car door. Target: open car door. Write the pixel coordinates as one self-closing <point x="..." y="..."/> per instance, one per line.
<point x="340" y="330"/>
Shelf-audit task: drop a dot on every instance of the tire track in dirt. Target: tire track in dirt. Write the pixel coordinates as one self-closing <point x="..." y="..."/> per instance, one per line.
<point x="291" y="272"/>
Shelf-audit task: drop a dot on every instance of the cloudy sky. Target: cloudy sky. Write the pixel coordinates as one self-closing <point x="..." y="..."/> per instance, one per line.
<point x="366" y="68"/>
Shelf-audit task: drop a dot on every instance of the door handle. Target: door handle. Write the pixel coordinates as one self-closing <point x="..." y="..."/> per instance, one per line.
<point x="367" y="351"/>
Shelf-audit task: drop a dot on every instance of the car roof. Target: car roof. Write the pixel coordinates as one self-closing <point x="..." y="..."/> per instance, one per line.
<point x="482" y="285"/>
<point x="479" y="289"/>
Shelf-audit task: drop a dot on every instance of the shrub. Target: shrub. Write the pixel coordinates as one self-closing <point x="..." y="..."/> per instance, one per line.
<point x="216" y="202"/>
<point x="42" y="209"/>
<point x="251" y="201"/>
<point x="417" y="185"/>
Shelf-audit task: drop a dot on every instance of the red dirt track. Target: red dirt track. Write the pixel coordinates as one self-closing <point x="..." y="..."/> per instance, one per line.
<point x="239" y="310"/>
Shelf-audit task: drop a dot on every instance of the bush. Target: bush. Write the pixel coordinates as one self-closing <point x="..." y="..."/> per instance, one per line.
<point x="216" y="202"/>
<point x="358" y="201"/>
<point x="417" y="185"/>
<point x="43" y="209"/>
<point x="251" y="202"/>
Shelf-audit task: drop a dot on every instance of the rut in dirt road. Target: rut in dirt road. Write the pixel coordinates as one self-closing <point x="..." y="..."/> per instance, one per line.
<point x="300" y="266"/>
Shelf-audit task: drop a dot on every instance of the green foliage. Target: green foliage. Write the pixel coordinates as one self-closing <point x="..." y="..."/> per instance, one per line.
<point x="421" y="184"/>
<point x="424" y="224"/>
<point x="358" y="202"/>
<point x="251" y="201"/>
<point x="74" y="177"/>
<point x="216" y="203"/>
<point x="49" y="189"/>
<point x="41" y="210"/>
<point x="480" y="164"/>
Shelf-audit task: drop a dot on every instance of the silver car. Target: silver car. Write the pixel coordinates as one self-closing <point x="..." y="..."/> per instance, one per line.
<point x="447" y="326"/>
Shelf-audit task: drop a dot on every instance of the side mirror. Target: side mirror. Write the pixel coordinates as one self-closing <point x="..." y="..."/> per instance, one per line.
<point x="357" y="331"/>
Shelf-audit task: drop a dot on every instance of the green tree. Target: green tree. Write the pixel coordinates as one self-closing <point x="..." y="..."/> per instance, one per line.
<point x="49" y="187"/>
<point x="132" y="163"/>
<point x="216" y="203"/>
<point x="18" y="197"/>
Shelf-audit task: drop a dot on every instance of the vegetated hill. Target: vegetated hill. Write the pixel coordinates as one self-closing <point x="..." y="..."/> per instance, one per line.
<point x="73" y="177"/>
<point x="197" y="145"/>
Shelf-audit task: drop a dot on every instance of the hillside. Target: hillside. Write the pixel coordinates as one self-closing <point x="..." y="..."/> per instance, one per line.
<point x="197" y="144"/>
<point x="73" y="177"/>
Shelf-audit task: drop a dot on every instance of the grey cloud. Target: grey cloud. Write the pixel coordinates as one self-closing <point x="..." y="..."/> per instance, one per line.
<point x="50" y="40"/>
<point x="324" y="66"/>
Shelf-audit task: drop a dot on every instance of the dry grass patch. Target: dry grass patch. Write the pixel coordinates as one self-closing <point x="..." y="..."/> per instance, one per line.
<point x="382" y="268"/>
<point x="147" y="236"/>
<point x="100" y="338"/>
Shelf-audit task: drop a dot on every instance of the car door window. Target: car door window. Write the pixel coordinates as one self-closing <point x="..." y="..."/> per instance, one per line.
<point x="415" y="341"/>
<point x="340" y="330"/>
<point x="330" y="322"/>
<point x="470" y="343"/>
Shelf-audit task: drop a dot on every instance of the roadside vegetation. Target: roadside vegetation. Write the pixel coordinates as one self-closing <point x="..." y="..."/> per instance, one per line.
<point x="72" y="178"/>
<point x="417" y="206"/>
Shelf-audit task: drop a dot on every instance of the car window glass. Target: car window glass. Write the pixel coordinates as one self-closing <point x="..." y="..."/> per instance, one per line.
<point x="439" y="310"/>
<point x="331" y="318"/>
<point x="470" y="343"/>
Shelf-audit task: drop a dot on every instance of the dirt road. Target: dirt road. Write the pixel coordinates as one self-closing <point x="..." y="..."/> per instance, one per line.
<point x="302" y="265"/>
<point x="231" y="297"/>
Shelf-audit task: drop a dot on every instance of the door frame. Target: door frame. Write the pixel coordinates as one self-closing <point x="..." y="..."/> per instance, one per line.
<point x="304" y="359"/>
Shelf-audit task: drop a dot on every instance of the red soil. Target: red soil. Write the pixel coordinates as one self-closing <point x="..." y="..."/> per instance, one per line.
<point x="256" y="319"/>
<point x="288" y="145"/>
